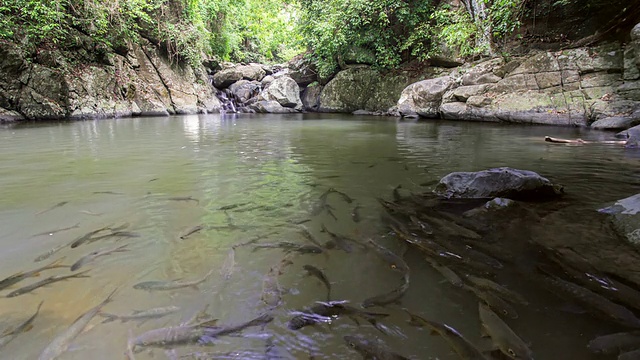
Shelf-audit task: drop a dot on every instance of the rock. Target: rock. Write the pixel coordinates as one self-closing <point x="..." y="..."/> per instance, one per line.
<point x="633" y="137"/>
<point x="443" y="61"/>
<point x="625" y="217"/>
<point x="498" y="182"/>
<point x="615" y="123"/>
<point x="424" y="97"/>
<point x="311" y="98"/>
<point x="302" y="71"/>
<point x="491" y="205"/>
<point x="482" y="73"/>
<point x="270" y="106"/>
<point x="9" y="116"/>
<point x="244" y="90"/>
<point x="267" y="80"/>
<point x="635" y="32"/>
<point x="222" y="79"/>
<point x="361" y="87"/>
<point x="285" y="91"/>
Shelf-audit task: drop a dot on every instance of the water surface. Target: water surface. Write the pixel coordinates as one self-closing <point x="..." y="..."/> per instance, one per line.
<point x="274" y="168"/>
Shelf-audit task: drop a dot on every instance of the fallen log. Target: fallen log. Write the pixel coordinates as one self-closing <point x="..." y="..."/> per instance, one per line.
<point x="580" y="141"/>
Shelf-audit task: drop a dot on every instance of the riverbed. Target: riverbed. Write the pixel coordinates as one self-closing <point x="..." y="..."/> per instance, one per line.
<point x="256" y="179"/>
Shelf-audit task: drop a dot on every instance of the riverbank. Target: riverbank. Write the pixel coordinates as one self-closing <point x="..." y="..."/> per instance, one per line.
<point x="596" y="87"/>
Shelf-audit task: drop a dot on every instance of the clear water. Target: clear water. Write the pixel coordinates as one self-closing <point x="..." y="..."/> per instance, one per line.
<point x="277" y="166"/>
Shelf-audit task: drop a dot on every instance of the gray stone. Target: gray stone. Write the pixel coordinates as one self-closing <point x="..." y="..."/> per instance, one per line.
<point x="635" y="32"/>
<point x="462" y="93"/>
<point x="285" y="91"/>
<point x="615" y="123"/>
<point x="498" y="182"/>
<point x="271" y="106"/>
<point x="244" y="90"/>
<point x="222" y="79"/>
<point x="424" y="97"/>
<point x="9" y="116"/>
<point x="624" y="215"/>
<point x="479" y="101"/>
<point x="631" y="71"/>
<point x="630" y="90"/>
<point x="311" y="98"/>
<point x="267" y="80"/>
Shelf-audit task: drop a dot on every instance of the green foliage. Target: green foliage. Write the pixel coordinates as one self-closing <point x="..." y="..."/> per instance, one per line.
<point x="455" y="29"/>
<point x="504" y="18"/>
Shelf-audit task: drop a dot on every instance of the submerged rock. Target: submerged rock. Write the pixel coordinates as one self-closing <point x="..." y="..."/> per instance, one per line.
<point x="498" y="182"/>
<point x="625" y="218"/>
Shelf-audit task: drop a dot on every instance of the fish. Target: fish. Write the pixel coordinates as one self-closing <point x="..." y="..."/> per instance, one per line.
<point x="340" y="241"/>
<point x="171" y="284"/>
<point x="314" y="271"/>
<point x="233" y="206"/>
<point x="50" y="253"/>
<point x="51" y="232"/>
<point x="631" y="355"/>
<point x="494" y="302"/>
<point x="184" y="198"/>
<point x="191" y="231"/>
<point x="229" y="263"/>
<point x="326" y="311"/>
<point x="450" y="228"/>
<point x="143" y="315"/>
<point x="291" y="247"/>
<point x="344" y="196"/>
<point x="355" y="214"/>
<point x="601" y="306"/>
<point x="96" y="254"/>
<point x="330" y="212"/>
<point x="108" y="192"/>
<point x="396" y="193"/>
<point x="45" y="282"/>
<point x="448" y="274"/>
<point x="271" y="290"/>
<point x="506" y="294"/>
<point x="391" y="297"/>
<point x="502" y="336"/>
<point x="309" y="236"/>
<point x="87" y="212"/>
<point x="458" y="343"/>
<point x="423" y="226"/>
<point x="88" y="236"/>
<point x="27" y="325"/>
<point x="395" y="262"/>
<point x="189" y="334"/>
<point x="17" y="277"/>
<point x="614" y="344"/>
<point x="372" y="350"/>
<point x="62" y="203"/>
<point x="61" y="343"/>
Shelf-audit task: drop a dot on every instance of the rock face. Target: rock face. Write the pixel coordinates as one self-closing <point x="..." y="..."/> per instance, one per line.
<point x="424" y="97"/>
<point x="233" y="73"/>
<point x="499" y="182"/>
<point x="625" y="218"/>
<point x="141" y="83"/>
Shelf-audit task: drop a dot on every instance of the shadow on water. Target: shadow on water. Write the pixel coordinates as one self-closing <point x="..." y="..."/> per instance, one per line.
<point x="261" y="189"/>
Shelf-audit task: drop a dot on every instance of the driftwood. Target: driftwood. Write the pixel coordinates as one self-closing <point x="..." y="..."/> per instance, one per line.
<point x="580" y="141"/>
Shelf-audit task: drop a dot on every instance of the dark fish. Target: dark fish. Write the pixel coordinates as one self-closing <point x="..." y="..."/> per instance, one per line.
<point x="326" y="311"/>
<point x="458" y="343"/>
<point x="51" y="232"/>
<point x="233" y="206"/>
<point x="391" y="297"/>
<point x="88" y="236"/>
<point x="27" y="325"/>
<point x="62" y="203"/>
<point x="45" y="282"/>
<point x="309" y="236"/>
<point x="396" y="193"/>
<point x="495" y="302"/>
<point x="372" y="350"/>
<point x="143" y="315"/>
<point x="314" y="271"/>
<point x="184" y="198"/>
<point x="171" y="285"/>
<point x="395" y="262"/>
<point x="271" y="290"/>
<point x="338" y="240"/>
<point x="108" y="193"/>
<point x="448" y="274"/>
<point x="329" y="177"/>
<point x="60" y="344"/>
<point x="355" y="214"/>
<point x="254" y="240"/>
<point x="614" y="344"/>
<point x="631" y="355"/>
<point x="191" y="231"/>
<point x="190" y="334"/>
<point x="344" y="196"/>
<point x="506" y="294"/>
<point x="17" y="277"/>
<point x="425" y="227"/>
<point x="372" y="165"/>
<point x="599" y="304"/>
<point x="502" y="336"/>
<point x="154" y="179"/>
<point x="96" y="254"/>
<point x="291" y="247"/>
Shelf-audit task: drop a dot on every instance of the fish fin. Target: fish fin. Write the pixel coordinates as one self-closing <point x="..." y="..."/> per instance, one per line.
<point x="209" y="323"/>
<point x="108" y="317"/>
<point x="483" y="332"/>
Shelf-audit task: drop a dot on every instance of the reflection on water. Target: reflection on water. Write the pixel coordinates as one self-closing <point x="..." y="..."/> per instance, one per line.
<point x="257" y="179"/>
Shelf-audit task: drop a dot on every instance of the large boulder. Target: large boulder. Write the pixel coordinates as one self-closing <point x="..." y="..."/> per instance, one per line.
<point x="625" y="218"/>
<point x="303" y="71"/>
<point x="244" y="90"/>
<point x="232" y="73"/>
<point x="424" y="97"/>
<point x="285" y="91"/>
<point x="270" y="106"/>
<point x="361" y="87"/>
<point x="9" y="116"/>
<point x="615" y="123"/>
<point x="311" y="97"/>
<point x="498" y="182"/>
